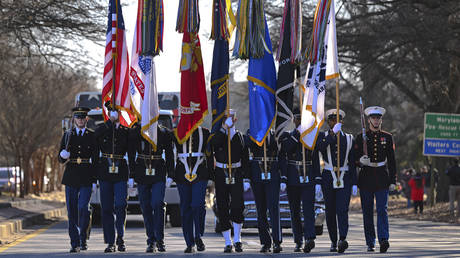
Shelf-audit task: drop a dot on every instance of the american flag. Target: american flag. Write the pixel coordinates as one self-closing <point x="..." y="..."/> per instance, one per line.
<point x="116" y="50"/>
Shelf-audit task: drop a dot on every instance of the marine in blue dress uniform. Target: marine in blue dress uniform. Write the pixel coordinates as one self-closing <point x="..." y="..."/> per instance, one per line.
<point x="153" y="172"/>
<point x="265" y="179"/>
<point x="113" y="172"/>
<point x="193" y="170"/>
<point x="229" y="189"/>
<point x="337" y="186"/>
<point x="78" y="150"/>
<point x="301" y="187"/>
<point x="376" y="178"/>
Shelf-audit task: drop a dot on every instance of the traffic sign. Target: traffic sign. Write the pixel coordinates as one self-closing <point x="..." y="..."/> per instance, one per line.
<point x="441" y="135"/>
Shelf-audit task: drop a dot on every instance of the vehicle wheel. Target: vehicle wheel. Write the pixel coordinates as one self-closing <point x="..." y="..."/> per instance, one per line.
<point x="319" y="230"/>
<point x="174" y="215"/>
<point x="95" y="215"/>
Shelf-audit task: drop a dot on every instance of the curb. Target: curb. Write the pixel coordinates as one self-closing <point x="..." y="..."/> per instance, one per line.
<point x="14" y="226"/>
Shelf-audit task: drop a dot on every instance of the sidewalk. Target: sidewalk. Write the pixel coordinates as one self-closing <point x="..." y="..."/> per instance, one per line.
<point x="17" y="214"/>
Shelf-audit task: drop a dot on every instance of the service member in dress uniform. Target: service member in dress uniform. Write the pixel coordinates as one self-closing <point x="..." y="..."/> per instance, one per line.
<point x="112" y="139"/>
<point x="152" y="169"/>
<point x="376" y="177"/>
<point x="337" y="186"/>
<point x="79" y="152"/>
<point x="265" y="183"/>
<point x="229" y="181"/>
<point x="193" y="170"/>
<point x="303" y="182"/>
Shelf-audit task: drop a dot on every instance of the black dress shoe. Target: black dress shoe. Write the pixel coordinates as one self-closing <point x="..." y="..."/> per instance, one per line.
<point x="161" y="246"/>
<point x="189" y="250"/>
<point x="277" y="248"/>
<point x="110" y="249"/>
<point x="75" y="249"/>
<point x="343" y="245"/>
<point x="310" y="244"/>
<point x="228" y="249"/>
<point x="238" y="247"/>
<point x="333" y="247"/>
<point x="120" y="244"/>
<point x="199" y="244"/>
<point x="150" y="248"/>
<point x="265" y="249"/>
<point x="84" y="246"/>
<point x="384" y="245"/>
<point x="297" y="247"/>
<point x="370" y="248"/>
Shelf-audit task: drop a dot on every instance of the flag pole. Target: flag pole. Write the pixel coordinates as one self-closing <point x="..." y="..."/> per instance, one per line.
<point x="114" y="77"/>
<point x="301" y="111"/>
<point x="339" y="134"/>
<point x="265" y="160"/>
<point x="229" y="149"/>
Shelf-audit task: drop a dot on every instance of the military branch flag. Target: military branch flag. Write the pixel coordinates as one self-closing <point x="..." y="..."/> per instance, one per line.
<point x="116" y="77"/>
<point x="262" y="100"/>
<point x="220" y="66"/>
<point x="193" y="101"/>
<point x="147" y="42"/>
<point x="323" y="65"/>
<point x="288" y="55"/>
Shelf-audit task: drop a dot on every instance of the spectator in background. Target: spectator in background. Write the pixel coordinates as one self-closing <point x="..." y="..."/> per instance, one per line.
<point x="454" y="189"/>
<point x="417" y="184"/>
<point x="426" y="173"/>
<point x="405" y="178"/>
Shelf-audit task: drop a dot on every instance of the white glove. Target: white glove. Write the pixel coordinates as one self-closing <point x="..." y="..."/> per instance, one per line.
<point x="94" y="188"/>
<point x="229" y="122"/>
<point x="169" y="182"/>
<point x="365" y="160"/>
<point x="246" y="186"/>
<point x="392" y="187"/>
<point x="113" y="115"/>
<point x="131" y="182"/>
<point x="282" y="187"/>
<point x="64" y="154"/>
<point x="337" y="128"/>
<point x="354" y="190"/>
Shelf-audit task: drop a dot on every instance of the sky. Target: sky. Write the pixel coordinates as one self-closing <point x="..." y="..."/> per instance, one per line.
<point x="168" y="62"/>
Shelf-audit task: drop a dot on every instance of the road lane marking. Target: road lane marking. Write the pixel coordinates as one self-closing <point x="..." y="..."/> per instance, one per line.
<point x="27" y="237"/>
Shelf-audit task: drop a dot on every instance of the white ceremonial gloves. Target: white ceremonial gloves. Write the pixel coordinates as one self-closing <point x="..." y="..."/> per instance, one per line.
<point x="246" y="186"/>
<point x="169" y="182"/>
<point x="392" y="187"/>
<point x="229" y="122"/>
<point x="337" y="128"/>
<point x="131" y="182"/>
<point x="64" y="154"/>
<point x="94" y="187"/>
<point x="365" y="160"/>
<point x="282" y="187"/>
<point x="354" y="190"/>
<point x="318" y="189"/>
<point x="113" y="115"/>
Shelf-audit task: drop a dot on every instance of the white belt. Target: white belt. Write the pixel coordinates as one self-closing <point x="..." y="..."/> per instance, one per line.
<point x="193" y="155"/>
<point x="378" y="164"/>
<point x="225" y="165"/>
<point x="330" y="168"/>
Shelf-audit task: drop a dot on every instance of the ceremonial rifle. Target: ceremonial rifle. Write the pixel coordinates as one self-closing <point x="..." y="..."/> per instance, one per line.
<point x="363" y="125"/>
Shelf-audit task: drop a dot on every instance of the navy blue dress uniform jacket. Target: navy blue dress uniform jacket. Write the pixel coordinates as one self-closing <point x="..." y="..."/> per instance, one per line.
<point x="331" y="140"/>
<point x="205" y="169"/>
<point x="291" y="149"/>
<point x="104" y="135"/>
<point x="163" y="165"/>
<point x="257" y="152"/>
<point x="85" y="148"/>
<point x="239" y="151"/>
<point x="380" y="147"/>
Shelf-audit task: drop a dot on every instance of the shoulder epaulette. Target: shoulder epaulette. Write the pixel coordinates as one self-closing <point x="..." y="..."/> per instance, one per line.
<point x="90" y="130"/>
<point x="385" y="132"/>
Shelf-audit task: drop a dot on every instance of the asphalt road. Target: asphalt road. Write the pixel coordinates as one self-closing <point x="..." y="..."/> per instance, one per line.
<point x="407" y="239"/>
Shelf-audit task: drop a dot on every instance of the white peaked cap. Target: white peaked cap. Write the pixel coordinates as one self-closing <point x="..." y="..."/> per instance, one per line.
<point x="334" y="112"/>
<point x="374" y="110"/>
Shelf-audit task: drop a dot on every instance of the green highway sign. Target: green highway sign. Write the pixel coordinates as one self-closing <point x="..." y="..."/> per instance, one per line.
<point x="442" y="135"/>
